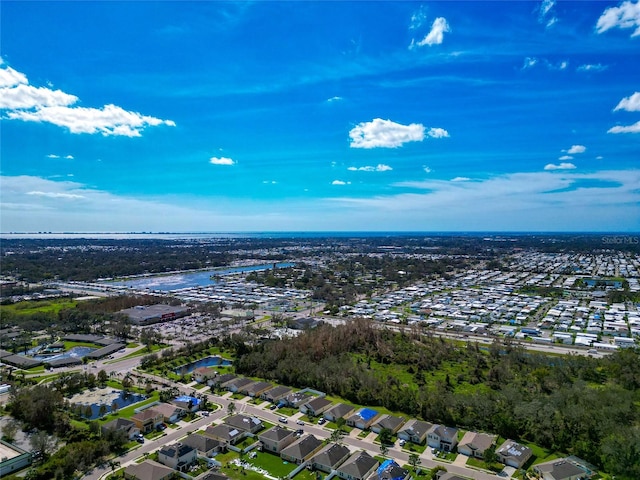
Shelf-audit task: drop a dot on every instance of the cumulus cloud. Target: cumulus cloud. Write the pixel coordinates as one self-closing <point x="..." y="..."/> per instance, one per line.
<point x="635" y="128"/>
<point x="566" y="157"/>
<point x="29" y="103"/>
<point x="334" y="99"/>
<point x="529" y="62"/>
<point x="340" y="182"/>
<point x="53" y="155"/>
<point x="385" y="134"/>
<point x="427" y="170"/>
<point x="437" y="133"/>
<point x="576" y="149"/>
<point x="627" y="15"/>
<point x="69" y="157"/>
<point x="378" y="168"/>
<point x="460" y="179"/>
<point x="221" y="161"/>
<point x="561" y="166"/>
<point x="590" y="67"/>
<point x="630" y="104"/>
<point x="436" y="34"/>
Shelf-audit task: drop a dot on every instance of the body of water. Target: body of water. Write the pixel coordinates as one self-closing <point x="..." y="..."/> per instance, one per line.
<point x="78" y="352"/>
<point x="177" y="281"/>
<point x="204" y="362"/>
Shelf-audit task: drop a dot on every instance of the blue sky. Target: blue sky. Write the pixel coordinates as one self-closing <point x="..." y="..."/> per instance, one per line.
<point x="320" y="116"/>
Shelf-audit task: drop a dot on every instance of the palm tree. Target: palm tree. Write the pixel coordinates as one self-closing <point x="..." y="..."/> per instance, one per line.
<point x="414" y="461"/>
<point x="231" y="408"/>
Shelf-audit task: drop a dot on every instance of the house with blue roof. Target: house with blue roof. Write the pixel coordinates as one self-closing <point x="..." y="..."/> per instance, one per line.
<point x="390" y="470"/>
<point x="363" y="418"/>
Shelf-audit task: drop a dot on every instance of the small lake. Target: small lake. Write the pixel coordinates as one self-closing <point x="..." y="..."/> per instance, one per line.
<point x="123" y="400"/>
<point x="204" y="362"/>
<point x="167" y="283"/>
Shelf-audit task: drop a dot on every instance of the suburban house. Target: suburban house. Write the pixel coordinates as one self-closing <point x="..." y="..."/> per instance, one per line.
<point x="513" y="454"/>
<point x="203" y="444"/>
<point x="301" y="450"/>
<point x="358" y="466"/>
<point x="170" y="413"/>
<point x="363" y="418"/>
<point x="177" y="456"/>
<point x="204" y="374"/>
<point x="391" y="422"/>
<point x="442" y="438"/>
<point x="237" y="384"/>
<point x="187" y="402"/>
<point x="276" y="394"/>
<point x="414" y="431"/>
<point x="316" y="406"/>
<point x="390" y="470"/>
<point x="296" y="399"/>
<point x="148" y="419"/>
<point x="276" y="438"/>
<point x="243" y="422"/>
<point x="340" y="410"/>
<point x="148" y="470"/>
<point x="225" y="433"/>
<point x="256" y="389"/>
<point x="474" y="444"/>
<point x="127" y="426"/>
<point x="560" y="469"/>
<point x="223" y="380"/>
<point x="330" y="457"/>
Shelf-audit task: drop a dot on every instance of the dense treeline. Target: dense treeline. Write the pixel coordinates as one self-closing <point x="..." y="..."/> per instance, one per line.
<point x="573" y="404"/>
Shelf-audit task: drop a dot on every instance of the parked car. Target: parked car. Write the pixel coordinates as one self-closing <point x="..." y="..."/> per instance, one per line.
<point x="273" y="407"/>
<point x="401" y="442"/>
<point x="282" y="420"/>
<point x="300" y="422"/>
<point x="321" y="421"/>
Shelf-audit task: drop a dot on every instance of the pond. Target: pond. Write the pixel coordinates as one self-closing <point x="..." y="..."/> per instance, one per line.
<point x="177" y="281"/>
<point x="204" y="362"/>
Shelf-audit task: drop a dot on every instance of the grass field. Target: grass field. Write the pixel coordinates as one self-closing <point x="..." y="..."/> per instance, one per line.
<point x="37" y="306"/>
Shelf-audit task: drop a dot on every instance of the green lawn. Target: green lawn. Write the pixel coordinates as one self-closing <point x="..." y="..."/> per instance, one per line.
<point x="272" y="464"/>
<point x="287" y="411"/>
<point x="38" y="306"/>
<point x="412" y="447"/>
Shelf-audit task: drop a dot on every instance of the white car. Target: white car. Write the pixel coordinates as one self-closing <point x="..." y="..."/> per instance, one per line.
<point x="282" y="420"/>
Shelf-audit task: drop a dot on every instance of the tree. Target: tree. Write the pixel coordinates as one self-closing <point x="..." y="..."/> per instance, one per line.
<point x="231" y="408"/>
<point x="102" y="377"/>
<point x="386" y="436"/>
<point x="9" y="430"/>
<point x="42" y="442"/>
<point x="103" y="410"/>
<point x="114" y="407"/>
<point x="490" y="456"/>
<point x="435" y="473"/>
<point x="384" y="449"/>
<point x="414" y="461"/>
<point x="336" y="435"/>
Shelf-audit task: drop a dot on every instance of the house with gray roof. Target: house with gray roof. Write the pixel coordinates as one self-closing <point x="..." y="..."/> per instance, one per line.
<point x="223" y="380"/>
<point x="256" y="389"/>
<point x="178" y="456"/>
<point x="340" y="410"/>
<point x="513" y="454"/>
<point x="474" y="444"/>
<point x="276" y="439"/>
<point x="316" y="406"/>
<point x="239" y="383"/>
<point x="415" y="431"/>
<point x="225" y="433"/>
<point x="296" y="399"/>
<point x="330" y="457"/>
<point x="442" y="438"/>
<point x="245" y="423"/>
<point x="358" y="466"/>
<point x="390" y="470"/>
<point x="148" y="470"/>
<point x="203" y="444"/>
<point x="560" y="469"/>
<point x="301" y="450"/>
<point x="124" y="424"/>
<point x="276" y="394"/>
<point x="391" y="422"/>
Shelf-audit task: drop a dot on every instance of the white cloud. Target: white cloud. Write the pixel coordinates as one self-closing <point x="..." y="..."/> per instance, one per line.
<point x="546" y="14"/>
<point x="340" y="182"/>
<point x="436" y="34"/>
<point x="566" y="157"/>
<point x="563" y="65"/>
<point x="70" y="196"/>
<point x="576" y="149"/>
<point x="630" y="104"/>
<point x="69" y="157"/>
<point x="597" y="67"/>
<point x="599" y="157"/>
<point x="378" y="168"/>
<point x="418" y="18"/>
<point x="627" y="15"/>
<point x="529" y="62"/>
<point x="53" y="155"/>
<point x="460" y="179"/>
<point x="437" y="133"/>
<point x="29" y="103"/>
<point x="561" y="166"/>
<point x="221" y="161"/>
<point x="427" y="170"/>
<point x="334" y="99"/>
<point x="635" y="128"/>
<point x="385" y="134"/>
